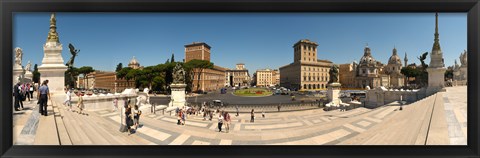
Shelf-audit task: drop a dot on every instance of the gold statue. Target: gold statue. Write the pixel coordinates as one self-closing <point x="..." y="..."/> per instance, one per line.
<point x="52" y="34"/>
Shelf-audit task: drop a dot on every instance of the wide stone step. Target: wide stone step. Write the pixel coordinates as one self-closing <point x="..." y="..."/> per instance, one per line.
<point x="77" y="135"/>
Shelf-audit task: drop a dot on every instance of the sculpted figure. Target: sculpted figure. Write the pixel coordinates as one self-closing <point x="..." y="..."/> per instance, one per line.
<point x="333" y="74"/>
<point x="27" y="67"/>
<point x="178" y="74"/>
<point x="18" y="56"/>
<point x="74" y="53"/>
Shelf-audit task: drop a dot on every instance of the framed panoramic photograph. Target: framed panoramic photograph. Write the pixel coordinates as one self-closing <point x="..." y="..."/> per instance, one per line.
<point x="239" y="78"/>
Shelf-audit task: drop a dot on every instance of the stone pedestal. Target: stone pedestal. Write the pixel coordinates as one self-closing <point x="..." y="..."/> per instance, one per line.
<point x="17" y="74"/>
<point x="178" y="95"/>
<point x="436" y="80"/>
<point x="333" y="93"/>
<point x="53" y="67"/>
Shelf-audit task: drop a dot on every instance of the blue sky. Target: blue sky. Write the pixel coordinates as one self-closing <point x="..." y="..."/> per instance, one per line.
<point x="260" y="40"/>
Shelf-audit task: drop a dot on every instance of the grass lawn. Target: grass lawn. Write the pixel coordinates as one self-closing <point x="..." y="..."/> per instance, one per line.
<point x="253" y="92"/>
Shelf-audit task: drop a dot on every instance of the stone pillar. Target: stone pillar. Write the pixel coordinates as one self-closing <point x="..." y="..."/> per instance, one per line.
<point x="52" y="68"/>
<point x="333" y="93"/>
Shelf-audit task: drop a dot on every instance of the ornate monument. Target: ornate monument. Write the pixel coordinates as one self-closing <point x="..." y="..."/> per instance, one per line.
<point x="28" y="73"/>
<point x="436" y="69"/>
<point x="53" y="67"/>
<point x="18" y="72"/>
<point x="178" y="88"/>
<point x="333" y="87"/>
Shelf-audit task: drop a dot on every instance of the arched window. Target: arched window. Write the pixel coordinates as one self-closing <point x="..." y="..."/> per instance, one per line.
<point x="314" y="87"/>
<point x="323" y="86"/>
<point x="305" y="86"/>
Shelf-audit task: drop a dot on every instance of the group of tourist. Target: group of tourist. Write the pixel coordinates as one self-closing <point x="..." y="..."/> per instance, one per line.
<point x="224" y="117"/>
<point x="22" y="92"/>
<point x="130" y="116"/>
<point x="68" y="101"/>
<point x="181" y="115"/>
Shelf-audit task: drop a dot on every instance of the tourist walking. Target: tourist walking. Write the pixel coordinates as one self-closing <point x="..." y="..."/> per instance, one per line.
<point x="211" y="115"/>
<point x="68" y="99"/>
<point x="252" y="116"/>
<point x="263" y="113"/>
<point x="16" y="95"/>
<point x="136" y="116"/>
<point x="184" y="115"/>
<point x="220" y="122"/>
<point x="43" y="95"/>
<point x="236" y="107"/>
<point x="129" y="119"/>
<point x="31" y="91"/>
<point x="179" y="116"/>
<point x="27" y="91"/>
<point x="227" y="121"/>
<point x="22" y="95"/>
<point x="80" y="104"/>
<point x="278" y="108"/>
<point x="123" y="117"/>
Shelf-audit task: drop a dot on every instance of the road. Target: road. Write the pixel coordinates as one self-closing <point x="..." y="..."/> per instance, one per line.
<point x="232" y="99"/>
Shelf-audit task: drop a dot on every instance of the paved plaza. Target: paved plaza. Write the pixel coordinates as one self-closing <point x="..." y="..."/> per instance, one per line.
<point x="439" y="119"/>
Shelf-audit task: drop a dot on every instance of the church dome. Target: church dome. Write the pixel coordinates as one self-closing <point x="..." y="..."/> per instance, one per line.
<point x="133" y="61"/>
<point x="367" y="58"/>
<point x="394" y="59"/>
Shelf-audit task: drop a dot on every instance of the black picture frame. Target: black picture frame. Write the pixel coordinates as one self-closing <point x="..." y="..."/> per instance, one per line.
<point x="7" y="7"/>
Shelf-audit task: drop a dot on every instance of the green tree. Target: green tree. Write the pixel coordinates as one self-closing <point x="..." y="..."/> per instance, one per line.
<point x="133" y="74"/>
<point x="36" y="74"/>
<point x="172" y="59"/>
<point x="123" y="73"/>
<point x="197" y="67"/>
<point x="146" y="76"/>
<point x="449" y="74"/>
<point x="119" y="67"/>
<point x="254" y="79"/>
<point x="84" y="70"/>
<point x="71" y="76"/>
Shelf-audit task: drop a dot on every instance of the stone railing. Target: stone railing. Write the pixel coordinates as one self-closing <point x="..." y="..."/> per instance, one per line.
<point x="246" y="108"/>
<point x="102" y="101"/>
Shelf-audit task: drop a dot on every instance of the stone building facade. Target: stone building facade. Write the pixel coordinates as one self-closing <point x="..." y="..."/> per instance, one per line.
<point x="210" y="79"/>
<point x="197" y="50"/>
<point x="237" y="77"/>
<point x="265" y="78"/>
<point x="307" y="72"/>
<point x="372" y="73"/>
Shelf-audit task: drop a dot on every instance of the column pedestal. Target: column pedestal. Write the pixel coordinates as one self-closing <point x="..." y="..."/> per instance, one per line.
<point x="17" y="74"/>
<point x="52" y="68"/>
<point x="178" y="95"/>
<point x="333" y="93"/>
<point x="436" y="80"/>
